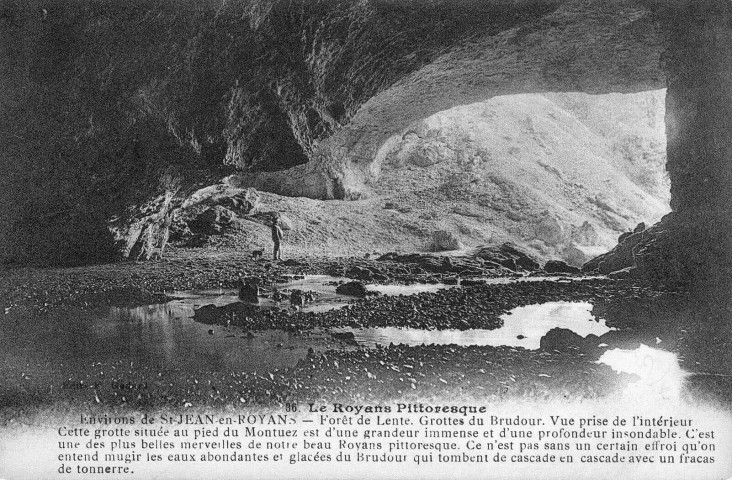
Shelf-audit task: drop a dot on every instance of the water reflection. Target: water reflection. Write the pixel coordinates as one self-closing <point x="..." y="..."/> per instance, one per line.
<point x="659" y="371"/>
<point x="408" y="289"/>
<point x="323" y="285"/>
<point x="327" y="298"/>
<point x="154" y="336"/>
<point x="522" y="327"/>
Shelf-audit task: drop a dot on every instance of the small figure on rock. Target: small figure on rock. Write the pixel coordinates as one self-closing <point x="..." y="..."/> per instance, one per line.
<point x="277" y="236"/>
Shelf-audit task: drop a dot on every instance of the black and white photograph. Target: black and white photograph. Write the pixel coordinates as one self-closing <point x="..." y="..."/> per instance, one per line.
<point x="365" y="239"/>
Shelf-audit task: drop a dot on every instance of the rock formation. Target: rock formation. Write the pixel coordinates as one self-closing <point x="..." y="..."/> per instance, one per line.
<point x="101" y="99"/>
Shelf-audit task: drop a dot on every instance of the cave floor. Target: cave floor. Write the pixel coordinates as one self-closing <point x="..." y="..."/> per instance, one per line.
<point x="321" y="365"/>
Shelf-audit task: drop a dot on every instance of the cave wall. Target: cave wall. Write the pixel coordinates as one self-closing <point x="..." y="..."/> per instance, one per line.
<point x="698" y="64"/>
<point x="103" y="101"/>
<point x="582" y="46"/>
<point x="699" y="102"/>
<point x="693" y="244"/>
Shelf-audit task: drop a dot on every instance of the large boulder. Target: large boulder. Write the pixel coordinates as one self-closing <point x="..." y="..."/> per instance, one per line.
<point x="211" y="211"/>
<point x="550" y="230"/>
<point x="360" y="273"/>
<point x="558" y="266"/>
<point x="243" y="202"/>
<point x="585" y="235"/>
<point x="564" y="340"/>
<point x="353" y="289"/>
<point x="561" y="340"/>
<point x="212" y="221"/>
<point x="508" y="255"/>
<point x="443" y="240"/>
<point x="578" y="255"/>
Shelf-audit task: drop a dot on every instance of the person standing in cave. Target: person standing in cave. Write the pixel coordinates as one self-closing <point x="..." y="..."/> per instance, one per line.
<point x="277" y="238"/>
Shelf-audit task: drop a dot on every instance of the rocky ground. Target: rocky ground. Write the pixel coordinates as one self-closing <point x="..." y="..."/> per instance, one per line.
<point x="139" y="283"/>
<point x="564" y="367"/>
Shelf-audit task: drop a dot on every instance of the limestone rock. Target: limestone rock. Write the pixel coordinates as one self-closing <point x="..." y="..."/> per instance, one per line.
<point x="558" y="266"/>
<point x="347" y="337"/>
<point x="353" y="289"/>
<point x="627" y="272"/>
<point x="578" y="255"/>
<point x="443" y="240"/>
<point x="623" y="236"/>
<point x="616" y="259"/>
<point x="508" y="255"/>
<point x="144" y="235"/>
<point x="564" y="340"/>
<point x="561" y="340"/>
<point x="585" y="235"/>
<point x="550" y="231"/>
<point x="242" y="203"/>
<point x="285" y="222"/>
<point x="669" y="252"/>
<point x="212" y="221"/>
<point x="360" y="273"/>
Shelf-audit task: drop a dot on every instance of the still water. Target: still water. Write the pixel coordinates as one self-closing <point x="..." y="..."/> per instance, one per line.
<point x="325" y="287"/>
<point x="165" y="336"/>
<point x="522" y="327"/>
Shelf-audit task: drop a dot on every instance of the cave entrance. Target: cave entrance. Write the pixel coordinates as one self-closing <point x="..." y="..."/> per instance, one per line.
<point x="563" y="174"/>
